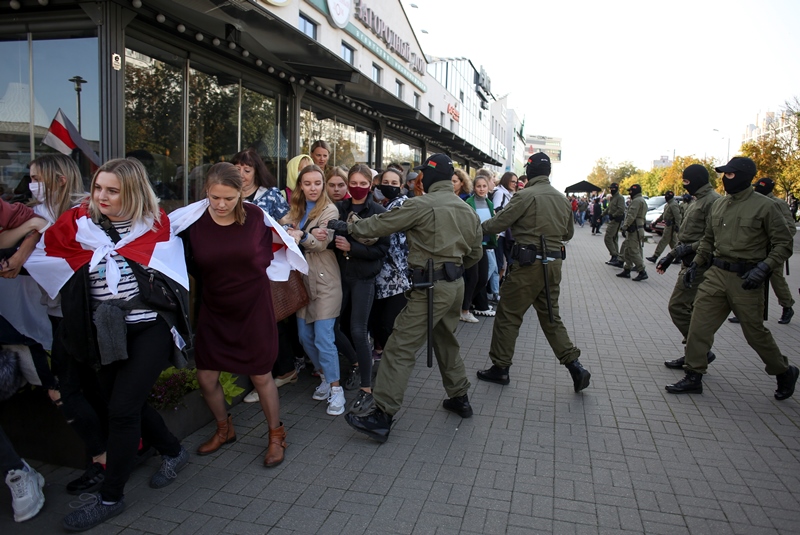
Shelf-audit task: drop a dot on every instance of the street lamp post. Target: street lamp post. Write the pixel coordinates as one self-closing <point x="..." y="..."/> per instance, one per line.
<point x="728" y="154"/>
<point x="77" y="80"/>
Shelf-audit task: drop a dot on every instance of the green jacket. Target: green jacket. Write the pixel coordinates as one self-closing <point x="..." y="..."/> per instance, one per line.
<point x="697" y="213"/>
<point x="437" y="225"/>
<point x="636" y="212"/>
<point x="539" y="209"/>
<point x="785" y="212"/>
<point x="672" y="213"/>
<point x="746" y="227"/>
<point x="616" y="206"/>
<point x="489" y="240"/>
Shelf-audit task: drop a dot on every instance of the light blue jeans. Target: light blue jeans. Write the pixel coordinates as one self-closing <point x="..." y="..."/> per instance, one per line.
<point x="494" y="275"/>
<point x="318" y="340"/>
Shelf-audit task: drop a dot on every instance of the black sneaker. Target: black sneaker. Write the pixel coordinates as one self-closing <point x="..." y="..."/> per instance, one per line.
<point x="459" y="405"/>
<point x="170" y="466"/>
<point x="376" y="425"/>
<point x="495" y="374"/>
<point x="363" y="403"/>
<point x="91" y="480"/>
<point x="580" y="375"/>
<point x="786" y="383"/>
<point x="354" y="379"/>
<point x="91" y="514"/>
<point x="692" y="383"/>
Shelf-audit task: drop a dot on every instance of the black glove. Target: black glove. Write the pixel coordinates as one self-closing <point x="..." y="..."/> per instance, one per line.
<point x="665" y="262"/>
<point x="681" y="250"/>
<point x="690" y="275"/>
<point x="756" y="276"/>
<point x="624" y="235"/>
<point x="338" y="226"/>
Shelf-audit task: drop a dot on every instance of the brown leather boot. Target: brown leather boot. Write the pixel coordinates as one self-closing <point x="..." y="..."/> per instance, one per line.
<point x="277" y="444"/>
<point x="224" y="435"/>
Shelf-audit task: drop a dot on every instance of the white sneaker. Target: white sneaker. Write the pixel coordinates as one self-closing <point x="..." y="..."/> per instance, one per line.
<point x="26" y="492"/>
<point x="336" y="401"/>
<point x="468" y="317"/>
<point x="252" y="397"/>
<point x="323" y="391"/>
<point x="490" y="312"/>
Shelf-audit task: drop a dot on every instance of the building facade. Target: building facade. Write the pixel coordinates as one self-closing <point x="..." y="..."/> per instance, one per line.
<point x="182" y="85"/>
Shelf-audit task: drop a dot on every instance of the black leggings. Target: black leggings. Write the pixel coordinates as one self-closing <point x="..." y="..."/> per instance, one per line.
<point x="126" y="385"/>
<point x="384" y="312"/>
<point x="475" y="279"/>
<point x="358" y="294"/>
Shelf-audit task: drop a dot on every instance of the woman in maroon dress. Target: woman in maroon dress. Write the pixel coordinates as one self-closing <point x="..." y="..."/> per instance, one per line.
<point x="230" y="248"/>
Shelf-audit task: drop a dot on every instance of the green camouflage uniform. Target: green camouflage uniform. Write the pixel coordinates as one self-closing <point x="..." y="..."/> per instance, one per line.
<point x="616" y="212"/>
<point x="672" y="219"/>
<point x="633" y="225"/>
<point x="777" y="280"/>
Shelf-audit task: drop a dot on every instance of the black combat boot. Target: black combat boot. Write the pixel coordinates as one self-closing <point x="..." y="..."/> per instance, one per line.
<point x="678" y="363"/>
<point x="642" y="276"/>
<point x="495" y="374"/>
<point x="376" y="425"/>
<point x="692" y="383"/>
<point x="580" y="375"/>
<point x="626" y="274"/>
<point x="786" y="382"/>
<point x="459" y="405"/>
<point x="652" y="259"/>
<point x="733" y="319"/>
<point x="613" y="260"/>
<point x="786" y="317"/>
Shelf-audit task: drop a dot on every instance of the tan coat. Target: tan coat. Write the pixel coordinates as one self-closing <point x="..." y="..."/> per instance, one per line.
<point x="323" y="282"/>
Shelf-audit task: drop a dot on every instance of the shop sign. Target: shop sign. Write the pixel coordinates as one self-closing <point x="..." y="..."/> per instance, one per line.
<point x="453" y="112"/>
<point x="385" y="33"/>
<point x="339" y="12"/>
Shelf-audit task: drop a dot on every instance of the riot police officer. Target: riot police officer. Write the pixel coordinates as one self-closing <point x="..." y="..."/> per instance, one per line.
<point x="672" y="217"/>
<point x="540" y="218"/>
<point x="633" y="225"/>
<point x="616" y="213"/>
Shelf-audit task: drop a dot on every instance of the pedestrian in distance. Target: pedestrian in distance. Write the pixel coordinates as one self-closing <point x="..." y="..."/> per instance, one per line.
<point x="444" y="238"/>
<point x="615" y="212"/>
<point x="748" y="239"/>
<point x="541" y="219"/>
<point x="633" y="225"/>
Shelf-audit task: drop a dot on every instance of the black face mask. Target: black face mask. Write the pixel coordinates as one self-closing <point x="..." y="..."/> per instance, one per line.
<point x="633" y="191"/>
<point x="669" y="196"/>
<point x="390" y="192"/>
<point x="739" y="182"/>
<point x="614" y="191"/>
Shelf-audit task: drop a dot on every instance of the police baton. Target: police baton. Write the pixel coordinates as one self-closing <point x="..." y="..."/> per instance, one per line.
<point x="428" y="286"/>
<point x="545" y="261"/>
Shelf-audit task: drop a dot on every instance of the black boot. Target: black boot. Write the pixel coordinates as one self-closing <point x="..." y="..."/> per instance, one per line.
<point x="495" y="374"/>
<point x="786" y="317"/>
<point x="459" y="405"/>
<point x="613" y="260"/>
<point x="733" y="319"/>
<point x="580" y="375"/>
<point x="642" y="276"/>
<point x="652" y="259"/>
<point x="692" y="383"/>
<point x="786" y="382"/>
<point x="678" y="363"/>
<point x="376" y="425"/>
<point x="626" y="274"/>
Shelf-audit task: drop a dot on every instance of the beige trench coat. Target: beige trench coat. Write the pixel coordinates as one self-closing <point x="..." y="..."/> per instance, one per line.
<point x="323" y="282"/>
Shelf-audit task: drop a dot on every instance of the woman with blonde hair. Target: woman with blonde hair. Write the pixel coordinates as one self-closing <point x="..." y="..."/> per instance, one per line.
<point x="321" y="152"/>
<point x="336" y="184"/>
<point x="462" y="184"/>
<point x="56" y="184"/>
<point x="121" y="275"/>
<point x="311" y="208"/>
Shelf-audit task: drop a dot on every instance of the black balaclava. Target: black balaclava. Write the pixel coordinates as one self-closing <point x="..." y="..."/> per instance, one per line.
<point x="743" y="169"/>
<point x="687" y="198"/>
<point x="697" y="176"/>
<point x="634" y="190"/>
<point x="669" y="195"/>
<point x="740" y="182"/>
<point x="764" y="186"/>
<point x="614" y="188"/>
<point x="538" y="165"/>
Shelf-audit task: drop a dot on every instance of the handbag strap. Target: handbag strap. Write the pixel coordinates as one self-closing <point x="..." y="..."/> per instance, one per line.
<point x="106" y="225"/>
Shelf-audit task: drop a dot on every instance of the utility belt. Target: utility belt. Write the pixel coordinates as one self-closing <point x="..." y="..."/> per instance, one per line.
<point x="450" y="271"/>
<point x="634" y="228"/>
<point x="526" y="255"/>
<point x="669" y="223"/>
<point x="734" y="267"/>
<point x="619" y="218"/>
<point x="688" y="259"/>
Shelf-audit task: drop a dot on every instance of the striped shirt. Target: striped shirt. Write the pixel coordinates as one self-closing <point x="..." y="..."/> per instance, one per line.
<point x="127" y="289"/>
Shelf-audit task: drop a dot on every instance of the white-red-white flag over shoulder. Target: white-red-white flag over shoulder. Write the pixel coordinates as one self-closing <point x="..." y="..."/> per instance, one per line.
<point x="74" y="241"/>
<point x="286" y="254"/>
<point x="64" y="137"/>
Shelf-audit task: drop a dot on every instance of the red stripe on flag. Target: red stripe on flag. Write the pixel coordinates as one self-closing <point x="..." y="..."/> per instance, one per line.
<point x="60" y="131"/>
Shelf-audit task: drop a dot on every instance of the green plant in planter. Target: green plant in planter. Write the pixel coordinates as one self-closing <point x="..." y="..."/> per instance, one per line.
<point x="173" y="384"/>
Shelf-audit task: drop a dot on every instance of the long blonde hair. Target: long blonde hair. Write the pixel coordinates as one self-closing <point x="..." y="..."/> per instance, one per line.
<point x="226" y="174"/>
<point x="139" y="201"/>
<point x="466" y="181"/>
<point x="58" y="197"/>
<point x="298" y="205"/>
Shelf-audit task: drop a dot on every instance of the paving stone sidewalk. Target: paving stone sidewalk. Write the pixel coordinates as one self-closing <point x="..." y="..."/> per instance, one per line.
<point x="621" y="457"/>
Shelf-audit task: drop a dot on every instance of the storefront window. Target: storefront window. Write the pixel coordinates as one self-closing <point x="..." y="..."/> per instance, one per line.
<point x="154" y="123"/>
<point x="349" y="144"/>
<point x="262" y="130"/>
<point x="395" y="151"/>
<point x="55" y="61"/>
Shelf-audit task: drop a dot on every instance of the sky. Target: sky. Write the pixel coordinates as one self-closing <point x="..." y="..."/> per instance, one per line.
<point x="625" y="80"/>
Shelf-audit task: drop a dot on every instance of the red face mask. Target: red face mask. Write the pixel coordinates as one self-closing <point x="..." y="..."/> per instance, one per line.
<point x="358" y="193"/>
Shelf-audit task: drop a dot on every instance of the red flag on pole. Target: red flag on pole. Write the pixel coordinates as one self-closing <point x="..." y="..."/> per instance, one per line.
<point x="64" y="137"/>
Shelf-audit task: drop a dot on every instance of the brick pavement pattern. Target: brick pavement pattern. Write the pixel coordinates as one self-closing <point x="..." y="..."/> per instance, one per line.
<point x="624" y="456"/>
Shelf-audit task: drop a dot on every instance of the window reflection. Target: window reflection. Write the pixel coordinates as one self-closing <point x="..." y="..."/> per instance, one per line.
<point x="261" y="131"/>
<point x="349" y="144"/>
<point x="398" y="152"/>
<point x="15" y="117"/>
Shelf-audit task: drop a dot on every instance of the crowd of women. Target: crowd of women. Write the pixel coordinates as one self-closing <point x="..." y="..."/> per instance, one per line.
<point x="114" y="270"/>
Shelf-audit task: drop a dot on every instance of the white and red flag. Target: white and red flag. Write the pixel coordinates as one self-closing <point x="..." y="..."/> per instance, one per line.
<point x="286" y="254"/>
<point x="74" y="241"/>
<point x="64" y="137"/>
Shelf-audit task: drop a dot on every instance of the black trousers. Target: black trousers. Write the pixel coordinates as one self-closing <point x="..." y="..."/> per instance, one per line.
<point x="384" y="312"/>
<point x="357" y="297"/>
<point x="126" y="385"/>
<point x="475" y="279"/>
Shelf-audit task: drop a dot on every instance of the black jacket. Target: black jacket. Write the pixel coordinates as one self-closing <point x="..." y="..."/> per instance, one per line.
<point x="362" y="261"/>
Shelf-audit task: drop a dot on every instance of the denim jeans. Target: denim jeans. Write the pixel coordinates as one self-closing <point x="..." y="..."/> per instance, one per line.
<point x="318" y="341"/>
<point x="494" y="275"/>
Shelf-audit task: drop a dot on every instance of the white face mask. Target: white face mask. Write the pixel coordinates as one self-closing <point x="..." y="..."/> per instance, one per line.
<point x="37" y="189"/>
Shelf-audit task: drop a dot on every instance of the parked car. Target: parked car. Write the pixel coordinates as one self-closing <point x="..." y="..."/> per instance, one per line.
<point x="652" y="215"/>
